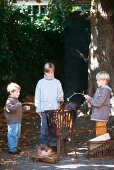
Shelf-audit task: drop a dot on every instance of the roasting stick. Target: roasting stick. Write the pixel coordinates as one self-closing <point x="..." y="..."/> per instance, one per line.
<point x="31" y="103"/>
<point x="75" y="94"/>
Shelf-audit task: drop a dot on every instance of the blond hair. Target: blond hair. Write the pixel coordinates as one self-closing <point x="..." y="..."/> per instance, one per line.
<point x="12" y="87"/>
<point x="103" y="75"/>
<point x="49" y="67"/>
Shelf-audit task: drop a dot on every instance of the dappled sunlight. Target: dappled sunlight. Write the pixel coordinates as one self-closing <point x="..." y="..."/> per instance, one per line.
<point x="104" y="52"/>
<point x="102" y="12"/>
<point x="94" y="63"/>
<point x="81" y="114"/>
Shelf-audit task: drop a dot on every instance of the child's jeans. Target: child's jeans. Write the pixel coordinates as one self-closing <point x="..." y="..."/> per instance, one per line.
<point x="44" y="133"/>
<point x="14" y="131"/>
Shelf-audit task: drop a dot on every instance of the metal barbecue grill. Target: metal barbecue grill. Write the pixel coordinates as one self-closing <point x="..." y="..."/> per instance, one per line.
<point x="61" y="125"/>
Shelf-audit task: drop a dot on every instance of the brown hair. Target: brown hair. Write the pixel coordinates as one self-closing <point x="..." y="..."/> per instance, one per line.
<point x="49" y="67"/>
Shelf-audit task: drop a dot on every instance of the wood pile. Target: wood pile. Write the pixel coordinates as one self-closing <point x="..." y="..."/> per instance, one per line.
<point x="44" y="154"/>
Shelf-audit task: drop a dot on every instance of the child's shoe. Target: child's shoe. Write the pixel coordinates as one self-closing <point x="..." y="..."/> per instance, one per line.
<point x="13" y="152"/>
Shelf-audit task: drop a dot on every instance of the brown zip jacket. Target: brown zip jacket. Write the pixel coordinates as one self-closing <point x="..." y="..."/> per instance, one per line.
<point x="13" y="110"/>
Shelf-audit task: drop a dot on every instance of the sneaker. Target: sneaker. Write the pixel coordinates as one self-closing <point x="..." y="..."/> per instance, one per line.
<point x="13" y="152"/>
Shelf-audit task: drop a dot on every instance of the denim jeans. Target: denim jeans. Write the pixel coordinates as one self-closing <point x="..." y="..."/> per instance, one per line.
<point x="44" y="133"/>
<point x="14" y="131"/>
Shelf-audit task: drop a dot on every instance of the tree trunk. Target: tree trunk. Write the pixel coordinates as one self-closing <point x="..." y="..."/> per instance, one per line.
<point x="101" y="51"/>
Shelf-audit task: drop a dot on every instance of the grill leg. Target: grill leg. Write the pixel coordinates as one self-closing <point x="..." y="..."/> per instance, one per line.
<point x="72" y="140"/>
<point x="58" y="147"/>
<point x="65" y="147"/>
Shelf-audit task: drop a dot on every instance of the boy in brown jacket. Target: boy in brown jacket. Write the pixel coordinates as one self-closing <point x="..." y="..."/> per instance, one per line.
<point x="13" y="112"/>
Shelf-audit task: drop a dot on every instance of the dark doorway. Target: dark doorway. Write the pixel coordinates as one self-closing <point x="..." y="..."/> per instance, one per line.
<point x="77" y="39"/>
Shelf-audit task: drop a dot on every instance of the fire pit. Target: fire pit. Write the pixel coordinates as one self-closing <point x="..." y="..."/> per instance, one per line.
<point x="61" y="125"/>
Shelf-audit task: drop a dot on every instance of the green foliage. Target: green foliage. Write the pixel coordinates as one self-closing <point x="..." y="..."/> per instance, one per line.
<point x="24" y="48"/>
<point x="57" y="12"/>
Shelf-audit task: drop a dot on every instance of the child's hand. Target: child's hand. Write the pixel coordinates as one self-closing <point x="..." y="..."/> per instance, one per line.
<point x="86" y="96"/>
<point x="89" y="105"/>
<point x="61" y="100"/>
<point x="39" y="113"/>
